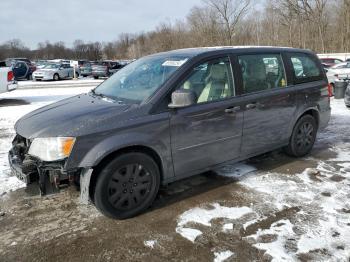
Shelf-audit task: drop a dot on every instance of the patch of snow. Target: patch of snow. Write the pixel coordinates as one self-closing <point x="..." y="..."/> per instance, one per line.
<point x="204" y="216"/>
<point x="189" y="233"/>
<point x="283" y="229"/>
<point x="227" y="227"/>
<point x="222" y="256"/>
<point x="251" y="222"/>
<point x="150" y="243"/>
<point x="9" y="183"/>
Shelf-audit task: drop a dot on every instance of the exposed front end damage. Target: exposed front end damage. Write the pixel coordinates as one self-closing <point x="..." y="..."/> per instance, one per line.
<point x="51" y="177"/>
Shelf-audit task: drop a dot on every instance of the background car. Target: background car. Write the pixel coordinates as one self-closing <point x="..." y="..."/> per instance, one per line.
<point x="7" y="81"/>
<point x="86" y="69"/>
<point x="54" y="71"/>
<point x="338" y="72"/>
<point x="22" y="68"/>
<point x="41" y="63"/>
<point x="329" y="62"/>
<point x="101" y="69"/>
<point x="115" y="66"/>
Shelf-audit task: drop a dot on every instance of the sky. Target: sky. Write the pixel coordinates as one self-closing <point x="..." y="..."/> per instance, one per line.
<point x="34" y="21"/>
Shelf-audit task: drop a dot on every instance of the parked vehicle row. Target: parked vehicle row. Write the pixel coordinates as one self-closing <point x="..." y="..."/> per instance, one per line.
<point x="172" y="115"/>
<point x="24" y="69"/>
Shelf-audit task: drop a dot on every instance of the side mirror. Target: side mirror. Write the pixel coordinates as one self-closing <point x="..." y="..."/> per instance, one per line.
<point x="182" y="98"/>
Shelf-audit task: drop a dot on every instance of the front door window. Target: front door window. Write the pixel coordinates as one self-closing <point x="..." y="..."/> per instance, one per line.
<point x="211" y="81"/>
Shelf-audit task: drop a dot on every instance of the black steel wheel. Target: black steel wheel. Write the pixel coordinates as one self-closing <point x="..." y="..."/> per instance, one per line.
<point x="127" y="185"/>
<point x="303" y="136"/>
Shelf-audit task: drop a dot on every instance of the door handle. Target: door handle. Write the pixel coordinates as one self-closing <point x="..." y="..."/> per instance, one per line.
<point x="232" y="110"/>
<point x="251" y="106"/>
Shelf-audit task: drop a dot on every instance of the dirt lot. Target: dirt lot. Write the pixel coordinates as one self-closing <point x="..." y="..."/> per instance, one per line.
<point x="270" y="207"/>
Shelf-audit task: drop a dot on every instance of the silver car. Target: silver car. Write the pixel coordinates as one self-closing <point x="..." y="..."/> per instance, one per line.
<point x="55" y="72"/>
<point x="338" y="72"/>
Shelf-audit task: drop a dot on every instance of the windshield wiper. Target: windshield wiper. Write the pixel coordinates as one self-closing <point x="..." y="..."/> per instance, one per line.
<point x="97" y="94"/>
<point x="115" y="99"/>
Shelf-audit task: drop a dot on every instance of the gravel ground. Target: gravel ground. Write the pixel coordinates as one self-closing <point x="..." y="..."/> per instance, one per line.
<point x="271" y="207"/>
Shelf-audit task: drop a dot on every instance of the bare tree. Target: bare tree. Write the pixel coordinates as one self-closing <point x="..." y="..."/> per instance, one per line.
<point x="230" y="12"/>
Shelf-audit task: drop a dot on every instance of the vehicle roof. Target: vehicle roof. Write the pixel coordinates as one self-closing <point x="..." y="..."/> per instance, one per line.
<point x="233" y="49"/>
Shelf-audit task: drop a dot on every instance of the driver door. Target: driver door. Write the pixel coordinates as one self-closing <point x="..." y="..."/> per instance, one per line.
<point x="209" y="132"/>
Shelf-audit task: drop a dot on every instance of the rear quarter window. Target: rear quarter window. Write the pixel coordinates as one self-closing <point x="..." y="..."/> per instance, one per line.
<point x="305" y="68"/>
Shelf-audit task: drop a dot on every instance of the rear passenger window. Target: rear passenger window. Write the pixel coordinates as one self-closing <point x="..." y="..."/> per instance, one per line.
<point x="305" y="68"/>
<point x="262" y="72"/>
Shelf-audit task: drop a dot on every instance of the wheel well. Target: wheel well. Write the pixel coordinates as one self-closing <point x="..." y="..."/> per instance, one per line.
<point x="140" y="149"/>
<point x="313" y="113"/>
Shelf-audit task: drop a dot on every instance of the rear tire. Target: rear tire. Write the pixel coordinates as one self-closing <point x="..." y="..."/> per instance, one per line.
<point x="127" y="185"/>
<point x="303" y="137"/>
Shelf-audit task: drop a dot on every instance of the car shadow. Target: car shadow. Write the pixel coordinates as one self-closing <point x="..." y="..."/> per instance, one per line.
<point x="275" y="161"/>
<point x="13" y="102"/>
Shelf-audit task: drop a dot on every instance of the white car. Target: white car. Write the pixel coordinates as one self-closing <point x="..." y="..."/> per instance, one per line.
<point x="55" y="72"/>
<point x="7" y="80"/>
<point x="338" y="72"/>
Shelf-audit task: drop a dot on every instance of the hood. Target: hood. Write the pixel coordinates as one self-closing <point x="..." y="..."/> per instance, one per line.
<point x="76" y="116"/>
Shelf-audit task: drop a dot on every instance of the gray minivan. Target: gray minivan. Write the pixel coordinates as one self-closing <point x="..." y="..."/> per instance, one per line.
<point x="171" y="115"/>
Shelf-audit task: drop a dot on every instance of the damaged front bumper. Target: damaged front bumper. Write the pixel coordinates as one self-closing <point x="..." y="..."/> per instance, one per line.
<point x="51" y="177"/>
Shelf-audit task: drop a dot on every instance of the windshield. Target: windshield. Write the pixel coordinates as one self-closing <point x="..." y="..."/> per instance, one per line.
<point x="140" y="79"/>
<point x="52" y="66"/>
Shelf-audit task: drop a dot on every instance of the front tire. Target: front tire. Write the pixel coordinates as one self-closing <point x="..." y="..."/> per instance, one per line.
<point x="303" y="137"/>
<point x="127" y="185"/>
<point x="56" y="77"/>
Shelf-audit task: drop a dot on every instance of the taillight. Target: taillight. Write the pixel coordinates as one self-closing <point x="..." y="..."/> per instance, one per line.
<point x="330" y="92"/>
<point x="10" y="76"/>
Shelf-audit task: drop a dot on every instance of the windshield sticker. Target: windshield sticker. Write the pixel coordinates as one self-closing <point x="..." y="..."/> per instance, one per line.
<point x="177" y="63"/>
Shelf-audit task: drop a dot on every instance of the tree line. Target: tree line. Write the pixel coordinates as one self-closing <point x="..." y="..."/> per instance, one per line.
<point x="320" y="25"/>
